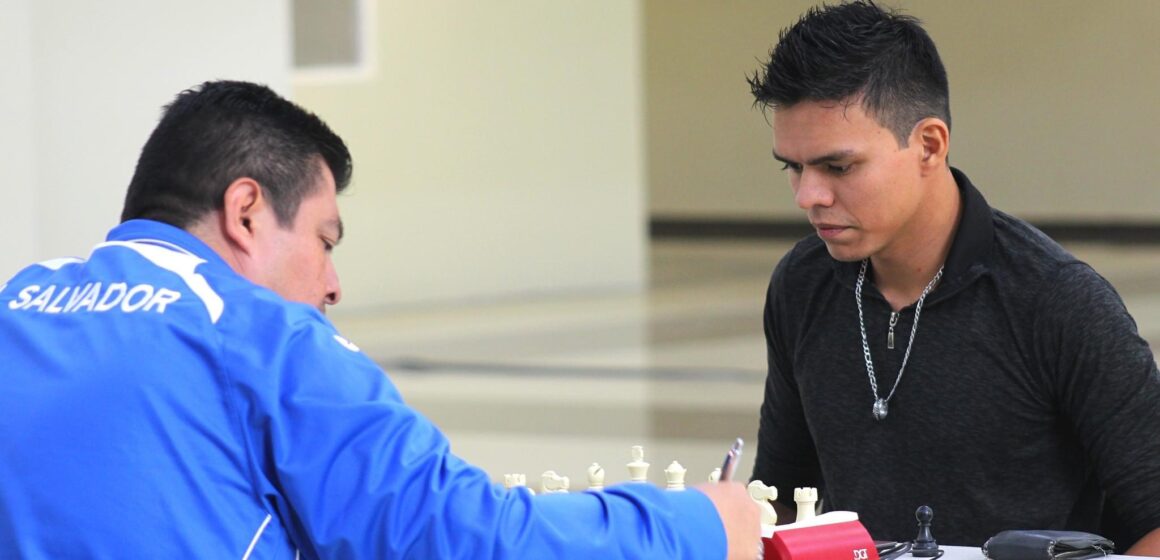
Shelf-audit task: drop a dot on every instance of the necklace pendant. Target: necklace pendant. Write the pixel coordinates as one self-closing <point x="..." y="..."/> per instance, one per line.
<point x="890" y="332"/>
<point x="880" y="409"/>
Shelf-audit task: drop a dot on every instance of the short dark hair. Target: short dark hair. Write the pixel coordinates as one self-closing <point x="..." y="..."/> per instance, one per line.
<point x="858" y="51"/>
<point x="218" y="132"/>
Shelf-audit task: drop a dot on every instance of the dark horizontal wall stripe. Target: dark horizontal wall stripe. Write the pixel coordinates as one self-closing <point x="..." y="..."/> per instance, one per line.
<point x="694" y="228"/>
<point x="422" y="366"/>
<point x="1111" y="232"/>
<point x="1119" y="232"/>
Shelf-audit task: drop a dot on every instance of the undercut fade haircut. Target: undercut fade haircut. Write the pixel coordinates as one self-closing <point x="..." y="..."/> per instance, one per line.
<point x="218" y="132"/>
<point x="857" y="52"/>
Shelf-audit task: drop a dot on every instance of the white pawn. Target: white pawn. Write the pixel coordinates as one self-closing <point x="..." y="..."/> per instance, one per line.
<point x="675" y="477"/>
<point x="512" y="480"/>
<point x="807" y="502"/>
<point x="637" y="469"/>
<point x="552" y="483"/>
<point x="596" y="477"/>
<point x="764" y="496"/>
<point x="715" y="476"/>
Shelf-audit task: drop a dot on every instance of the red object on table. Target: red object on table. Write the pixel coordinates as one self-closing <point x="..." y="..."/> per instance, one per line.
<point x="848" y="540"/>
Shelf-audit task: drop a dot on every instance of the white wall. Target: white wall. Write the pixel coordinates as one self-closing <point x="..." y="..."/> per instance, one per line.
<point x="498" y="152"/>
<point x="84" y="85"/>
<point x="17" y="176"/>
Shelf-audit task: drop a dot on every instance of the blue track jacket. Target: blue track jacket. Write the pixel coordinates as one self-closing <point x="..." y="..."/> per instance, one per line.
<point x="155" y="404"/>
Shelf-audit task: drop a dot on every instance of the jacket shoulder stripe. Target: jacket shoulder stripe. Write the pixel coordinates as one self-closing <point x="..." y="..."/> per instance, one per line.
<point x="182" y="264"/>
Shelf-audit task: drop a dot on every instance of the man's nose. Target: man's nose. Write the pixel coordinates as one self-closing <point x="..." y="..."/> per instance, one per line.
<point x="333" y="286"/>
<point x="812" y="190"/>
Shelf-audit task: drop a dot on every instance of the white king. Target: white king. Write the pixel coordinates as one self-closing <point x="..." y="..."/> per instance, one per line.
<point x="637" y="469"/>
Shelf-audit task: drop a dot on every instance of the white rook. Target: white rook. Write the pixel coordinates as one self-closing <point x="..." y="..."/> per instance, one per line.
<point x="807" y="501"/>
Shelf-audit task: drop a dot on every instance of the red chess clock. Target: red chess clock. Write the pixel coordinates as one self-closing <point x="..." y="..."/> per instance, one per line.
<point x="839" y="537"/>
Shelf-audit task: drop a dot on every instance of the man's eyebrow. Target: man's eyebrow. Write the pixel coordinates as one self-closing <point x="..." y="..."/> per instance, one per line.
<point x="825" y="158"/>
<point x="337" y="225"/>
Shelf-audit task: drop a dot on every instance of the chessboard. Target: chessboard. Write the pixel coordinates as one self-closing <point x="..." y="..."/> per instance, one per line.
<point x="637" y="470"/>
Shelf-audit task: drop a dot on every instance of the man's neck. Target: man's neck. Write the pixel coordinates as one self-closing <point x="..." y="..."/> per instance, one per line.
<point x="210" y="231"/>
<point x="908" y="265"/>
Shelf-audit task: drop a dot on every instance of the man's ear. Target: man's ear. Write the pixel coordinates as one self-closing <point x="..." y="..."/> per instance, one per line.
<point x="934" y="138"/>
<point x="244" y="207"/>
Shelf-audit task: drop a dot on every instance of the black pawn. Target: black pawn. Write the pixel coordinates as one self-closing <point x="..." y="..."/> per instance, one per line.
<point x="924" y="545"/>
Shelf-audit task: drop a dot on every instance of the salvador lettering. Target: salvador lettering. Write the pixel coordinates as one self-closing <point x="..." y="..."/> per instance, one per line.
<point x="93" y="297"/>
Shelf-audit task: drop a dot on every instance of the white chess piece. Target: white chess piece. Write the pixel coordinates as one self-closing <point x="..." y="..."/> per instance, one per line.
<point x="596" y="477"/>
<point x="552" y="483"/>
<point x="764" y="496"/>
<point x="637" y="469"/>
<point x="675" y="477"/>
<point x="807" y="503"/>
<point x="715" y="476"/>
<point x="512" y="480"/>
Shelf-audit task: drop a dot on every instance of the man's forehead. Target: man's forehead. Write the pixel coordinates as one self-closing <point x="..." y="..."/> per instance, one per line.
<point x="811" y="130"/>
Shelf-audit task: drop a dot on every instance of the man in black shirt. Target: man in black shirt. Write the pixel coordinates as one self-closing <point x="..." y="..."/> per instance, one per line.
<point x="924" y="348"/>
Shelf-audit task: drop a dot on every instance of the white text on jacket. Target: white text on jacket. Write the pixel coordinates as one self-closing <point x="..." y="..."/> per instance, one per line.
<point x="93" y="297"/>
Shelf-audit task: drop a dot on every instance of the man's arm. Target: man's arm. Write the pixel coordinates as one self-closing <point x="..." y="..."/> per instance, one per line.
<point x="355" y="472"/>
<point x="786" y="456"/>
<point x="1107" y="385"/>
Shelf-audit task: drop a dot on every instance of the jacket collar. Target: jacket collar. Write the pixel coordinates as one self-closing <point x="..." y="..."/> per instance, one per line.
<point x="159" y="233"/>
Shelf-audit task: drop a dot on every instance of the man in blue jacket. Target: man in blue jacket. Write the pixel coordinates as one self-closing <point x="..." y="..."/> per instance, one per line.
<point x="179" y="393"/>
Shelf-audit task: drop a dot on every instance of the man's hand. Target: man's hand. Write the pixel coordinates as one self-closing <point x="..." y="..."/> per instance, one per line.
<point x="740" y="516"/>
<point x="1147" y="546"/>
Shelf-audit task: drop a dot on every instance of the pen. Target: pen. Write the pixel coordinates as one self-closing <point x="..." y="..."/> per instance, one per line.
<point x="730" y="464"/>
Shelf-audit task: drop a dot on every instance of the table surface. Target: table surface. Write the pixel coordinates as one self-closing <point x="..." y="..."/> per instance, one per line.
<point x="972" y="553"/>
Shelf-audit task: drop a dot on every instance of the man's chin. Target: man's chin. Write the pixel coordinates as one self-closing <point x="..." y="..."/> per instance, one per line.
<point x="844" y="253"/>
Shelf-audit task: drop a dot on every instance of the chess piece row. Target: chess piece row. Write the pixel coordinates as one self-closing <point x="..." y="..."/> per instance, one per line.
<point x="552" y="482"/>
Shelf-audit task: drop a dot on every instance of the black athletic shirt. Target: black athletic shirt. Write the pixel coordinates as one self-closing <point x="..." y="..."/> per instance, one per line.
<point x="1028" y="397"/>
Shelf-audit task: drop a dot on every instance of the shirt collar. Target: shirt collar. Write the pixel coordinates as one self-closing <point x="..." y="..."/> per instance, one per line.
<point x="970" y="252"/>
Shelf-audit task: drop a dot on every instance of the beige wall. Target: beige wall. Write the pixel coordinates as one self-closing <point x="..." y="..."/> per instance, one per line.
<point x="1054" y="104"/>
<point x="498" y="151"/>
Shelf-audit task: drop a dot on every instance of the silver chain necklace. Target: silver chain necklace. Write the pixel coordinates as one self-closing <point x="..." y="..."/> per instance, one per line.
<point x="881" y="408"/>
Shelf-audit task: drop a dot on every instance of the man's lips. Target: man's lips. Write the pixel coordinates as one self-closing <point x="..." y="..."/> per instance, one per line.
<point x="829" y="231"/>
